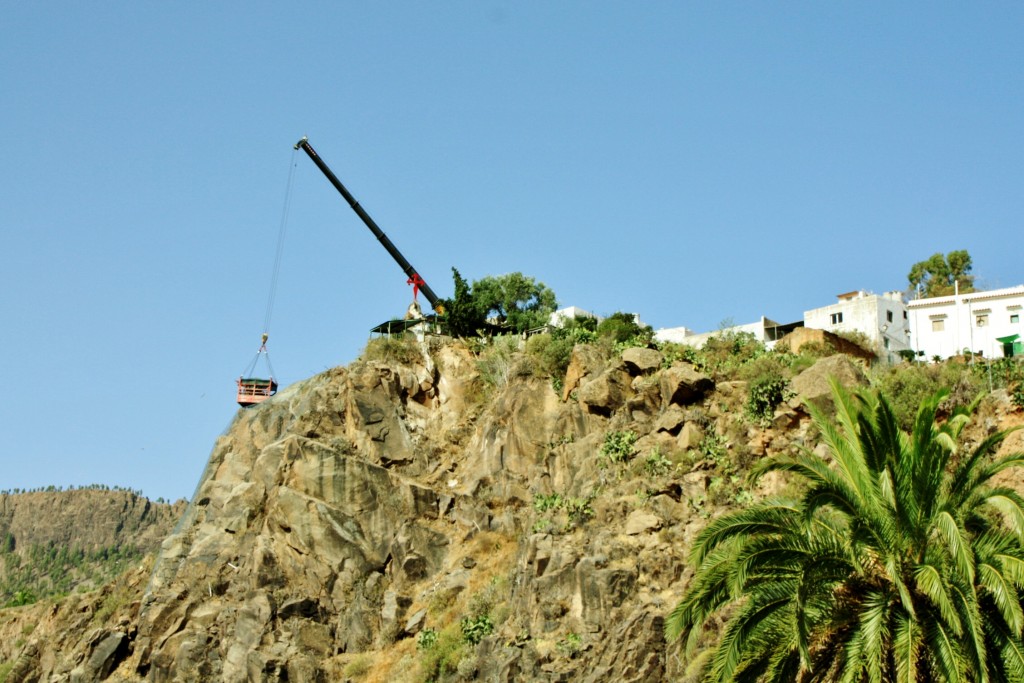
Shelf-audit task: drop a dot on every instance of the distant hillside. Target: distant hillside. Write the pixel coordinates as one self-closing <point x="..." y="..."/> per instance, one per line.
<point x="56" y="542"/>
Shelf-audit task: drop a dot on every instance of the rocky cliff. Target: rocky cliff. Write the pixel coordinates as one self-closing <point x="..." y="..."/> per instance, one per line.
<point x="54" y="542"/>
<point x="88" y="518"/>
<point x="396" y="521"/>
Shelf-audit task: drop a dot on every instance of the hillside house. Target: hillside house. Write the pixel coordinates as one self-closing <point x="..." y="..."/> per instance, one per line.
<point x="765" y="330"/>
<point x="559" y="317"/>
<point x="987" y="323"/>
<point x="883" y="318"/>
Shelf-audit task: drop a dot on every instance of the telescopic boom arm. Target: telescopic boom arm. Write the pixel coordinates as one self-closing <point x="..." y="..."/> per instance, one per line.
<point x="414" y="277"/>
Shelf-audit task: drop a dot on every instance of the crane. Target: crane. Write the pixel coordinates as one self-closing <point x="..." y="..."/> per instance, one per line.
<point x="414" y="277"/>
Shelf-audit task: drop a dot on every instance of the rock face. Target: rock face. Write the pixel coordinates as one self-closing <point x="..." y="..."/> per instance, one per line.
<point x="813" y="384"/>
<point x="332" y="517"/>
<point x="97" y="531"/>
<point x="376" y="507"/>
<point x="90" y="519"/>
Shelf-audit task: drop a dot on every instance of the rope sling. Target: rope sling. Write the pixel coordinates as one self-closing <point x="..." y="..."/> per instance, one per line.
<point x="252" y="390"/>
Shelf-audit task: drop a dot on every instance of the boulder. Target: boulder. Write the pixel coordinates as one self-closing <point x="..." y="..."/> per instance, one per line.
<point x="690" y="436"/>
<point x="585" y="360"/>
<point x="671" y="420"/>
<point x="641" y="361"/>
<point x="641" y="521"/>
<point x="681" y="384"/>
<point x="607" y="392"/>
<point x="813" y="384"/>
<point x="415" y="623"/>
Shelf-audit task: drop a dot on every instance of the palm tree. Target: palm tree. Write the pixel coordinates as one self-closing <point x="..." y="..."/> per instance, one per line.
<point x="901" y="561"/>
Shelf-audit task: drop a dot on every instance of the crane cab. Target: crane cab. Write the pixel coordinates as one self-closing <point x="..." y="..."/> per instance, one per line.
<point x="252" y="390"/>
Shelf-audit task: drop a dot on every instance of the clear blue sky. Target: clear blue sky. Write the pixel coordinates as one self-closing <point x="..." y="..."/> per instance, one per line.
<point x="693" y="162"/>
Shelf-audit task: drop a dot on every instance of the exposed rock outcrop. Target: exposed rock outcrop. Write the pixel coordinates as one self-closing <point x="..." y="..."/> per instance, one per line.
<point x="89" y="518"/>
<point x="813" y="385"/>
<point x="343" y="526"/>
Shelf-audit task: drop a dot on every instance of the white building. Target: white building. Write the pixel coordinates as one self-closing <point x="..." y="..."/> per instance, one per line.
<point x="764" y="330"/>
<point x="883" y="318"/>
<point x="988" y="323"/>
<point x="559" y="317"/>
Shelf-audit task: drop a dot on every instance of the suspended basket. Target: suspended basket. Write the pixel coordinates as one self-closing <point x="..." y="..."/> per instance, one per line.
<point x="253" y="390"/>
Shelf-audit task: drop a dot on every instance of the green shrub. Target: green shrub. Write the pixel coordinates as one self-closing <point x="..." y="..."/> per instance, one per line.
<point x="907" y="386"/>
<point x="618" y="446"/>
<point x="426" y="639"/>
<point x="672" y="352"/>
<point x="542" y="526"/>
<point x="621" y="327"/>
<point x="1003" y="373"/>
<point x="723" y="354"/>
<point x="551" y="353"/>
<point x="764" y="396"/>
<point x="358" y="667"/>
<point x="442" y="656"/>
<point x="712" y="447"/>
<point x="543" y="503"/>
<point x="570" y="645"/>
<point x="578" y="510"/>
<point x="1017" y="395"/>
<point x="402" y="349"/>
<point x="22" y="597"/>
<point x="817" y="350"/>
<point x="475" y="629"/>
<point x="657" y="464"/>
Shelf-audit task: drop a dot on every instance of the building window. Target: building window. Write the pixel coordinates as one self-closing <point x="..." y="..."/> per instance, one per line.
<point x="938" y="325"/>
<point x="837" y="318"/>
<point x="888" y="316"/>
<point x="981" y="320"/>
<point x="1014" y="318"/>
<point x="904" y="315"/>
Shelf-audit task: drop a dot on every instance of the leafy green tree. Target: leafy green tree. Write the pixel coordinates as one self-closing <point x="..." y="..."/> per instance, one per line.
<point x="622" y="327"/>
<point x="462" y="316"/>
<point x="903" y="561"/>
<point x="937" y="274"/>
<point x="515" y="299"/>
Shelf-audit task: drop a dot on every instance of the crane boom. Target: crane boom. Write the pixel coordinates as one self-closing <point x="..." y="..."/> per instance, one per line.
<point x="414" y="277"/>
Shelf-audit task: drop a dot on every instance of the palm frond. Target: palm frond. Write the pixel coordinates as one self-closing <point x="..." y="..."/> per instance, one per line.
<point x="1005" y="596"/>
<point x="761" y="518"/>
<point x="929" y="581"/>
<point x="956" y="542"/>
<point x="730" y="654"/>
<point x="906" y="646"/>
<point x="946" y="655"/>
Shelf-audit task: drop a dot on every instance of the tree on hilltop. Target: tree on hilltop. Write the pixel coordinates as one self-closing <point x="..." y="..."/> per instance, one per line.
<point x="937" y="275"/>
<point x="515" y="299"/>
<point x="461" y="314"/>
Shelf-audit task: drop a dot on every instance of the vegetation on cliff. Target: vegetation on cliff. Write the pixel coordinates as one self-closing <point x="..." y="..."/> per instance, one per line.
<point x="900" y="561"/>
<point x="45" y="571"/>
<point x="54" y="542"/>
<point x="486" y="509"/>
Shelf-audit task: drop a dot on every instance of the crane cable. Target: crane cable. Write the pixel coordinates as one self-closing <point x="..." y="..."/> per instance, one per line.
<point x="280" y="246"/>
<point x="282" y="231"/>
